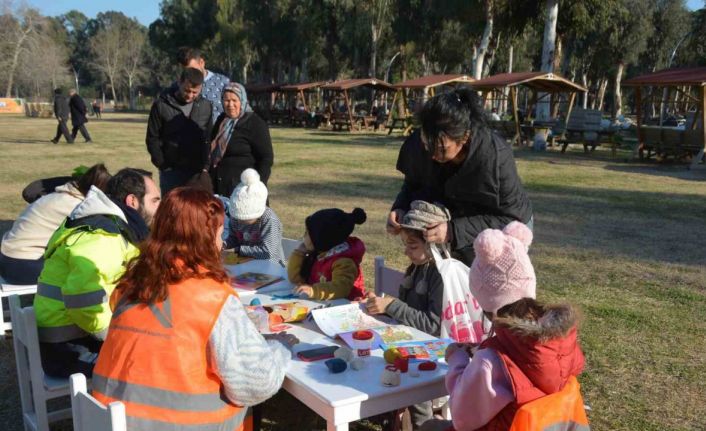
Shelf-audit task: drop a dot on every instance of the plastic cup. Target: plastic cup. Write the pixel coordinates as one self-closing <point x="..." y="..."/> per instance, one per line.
<point x="362" y="340"/>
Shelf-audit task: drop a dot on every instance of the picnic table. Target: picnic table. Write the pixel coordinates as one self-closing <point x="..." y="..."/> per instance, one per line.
<point x="348" y="396"/>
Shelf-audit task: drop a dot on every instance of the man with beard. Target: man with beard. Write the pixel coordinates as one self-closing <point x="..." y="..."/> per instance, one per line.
<point x="84" y="260"/>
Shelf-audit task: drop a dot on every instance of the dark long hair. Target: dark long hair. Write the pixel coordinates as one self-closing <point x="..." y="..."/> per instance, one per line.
<point x="181" y="245"/>
<point x="97" y="175"/>
<point x="452" y="114"/>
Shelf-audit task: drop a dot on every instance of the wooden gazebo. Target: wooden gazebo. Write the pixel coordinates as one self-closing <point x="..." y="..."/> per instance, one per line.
<point x="261" y="97"/>
<point x="340" y="119"/>
<point x="693" y="137"/>
<point x="303" y="91"/>
<point x="428" y="85"/>
<point x="536" y="82"/>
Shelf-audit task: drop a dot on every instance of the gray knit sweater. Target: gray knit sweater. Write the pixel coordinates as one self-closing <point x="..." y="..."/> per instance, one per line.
<point x="420" y="300"/>
<point x="251" y="368"/>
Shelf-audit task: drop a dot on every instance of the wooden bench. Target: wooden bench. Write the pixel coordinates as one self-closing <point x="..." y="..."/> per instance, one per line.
<point x="583" y="128"/>
<point x="339" y="120"/>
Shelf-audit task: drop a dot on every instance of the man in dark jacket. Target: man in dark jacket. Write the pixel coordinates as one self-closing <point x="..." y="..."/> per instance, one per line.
<point x="61" y="112"/>
<point x="78" y="115"/>
<point x="178" y="132"/>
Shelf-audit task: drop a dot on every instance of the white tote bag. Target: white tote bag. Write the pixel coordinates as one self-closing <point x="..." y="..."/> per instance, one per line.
<point x="461" y="318"/>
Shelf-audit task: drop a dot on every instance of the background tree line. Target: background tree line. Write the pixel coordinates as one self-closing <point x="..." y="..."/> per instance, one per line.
<point x="593" y="42"/>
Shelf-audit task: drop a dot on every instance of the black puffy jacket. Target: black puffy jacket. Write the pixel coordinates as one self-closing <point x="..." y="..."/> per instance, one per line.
<point x="484" y="192"/>
<point x="177" y="141"/>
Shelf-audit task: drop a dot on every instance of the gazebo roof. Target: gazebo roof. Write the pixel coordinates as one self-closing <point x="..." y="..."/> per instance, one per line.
<point x="540" y="81"/>
<point x="302" y="86"/>
<point x="670" y="77"/>
<point x="261" y="87"/>
<point x="434" y="81"/>
<point x="347" y="84"/>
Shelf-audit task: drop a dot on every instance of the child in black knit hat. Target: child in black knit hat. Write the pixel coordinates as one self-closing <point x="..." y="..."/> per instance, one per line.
<point x="327" y="263"/>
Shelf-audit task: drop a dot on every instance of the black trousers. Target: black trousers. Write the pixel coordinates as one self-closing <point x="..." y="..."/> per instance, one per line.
<point x="84" y="132"/>
<point x="62" y="129"/>
<point x="75" y="356"/>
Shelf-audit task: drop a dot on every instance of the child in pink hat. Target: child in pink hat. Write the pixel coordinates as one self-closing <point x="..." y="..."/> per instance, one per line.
<point x="534" y="348"/>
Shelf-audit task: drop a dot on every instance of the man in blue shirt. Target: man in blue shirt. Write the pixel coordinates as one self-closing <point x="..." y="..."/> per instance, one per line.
<point x="213" y="82"/>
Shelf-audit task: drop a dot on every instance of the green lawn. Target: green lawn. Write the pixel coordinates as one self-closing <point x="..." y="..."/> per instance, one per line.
<point x="624" y="241"/>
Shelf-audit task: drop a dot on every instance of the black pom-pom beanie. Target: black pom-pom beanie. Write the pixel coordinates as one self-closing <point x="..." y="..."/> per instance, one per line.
<point x="330" y="227"/>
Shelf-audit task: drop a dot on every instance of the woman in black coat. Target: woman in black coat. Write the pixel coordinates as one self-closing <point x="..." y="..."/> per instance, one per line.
<point x="458" y="161"/>
<point x="241" y="140"/>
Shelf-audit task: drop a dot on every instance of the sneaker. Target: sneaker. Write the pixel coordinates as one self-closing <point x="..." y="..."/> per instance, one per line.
<point x="70" y="142"/>
<point x="90" y="141"/>
<point x="54" y="141"/>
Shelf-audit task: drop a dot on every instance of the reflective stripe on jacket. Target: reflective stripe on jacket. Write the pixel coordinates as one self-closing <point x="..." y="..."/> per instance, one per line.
<point x="155" y="360"/>
<point x="82" y="265"/>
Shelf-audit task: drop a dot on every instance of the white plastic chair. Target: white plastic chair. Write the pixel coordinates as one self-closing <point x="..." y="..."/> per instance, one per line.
<point x="288" y="246"/>
<point x="35" y="387"/>
<point x="12" y="289"/>
<point x="90" y="414"/>
<point x="387" y="280"/>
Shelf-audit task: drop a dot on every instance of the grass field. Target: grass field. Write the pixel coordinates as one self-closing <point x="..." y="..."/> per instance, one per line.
<point x="626" y="242"/>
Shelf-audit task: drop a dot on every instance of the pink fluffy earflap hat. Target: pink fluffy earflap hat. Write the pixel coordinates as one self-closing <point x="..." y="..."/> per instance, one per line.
<point x="502" y="272"/>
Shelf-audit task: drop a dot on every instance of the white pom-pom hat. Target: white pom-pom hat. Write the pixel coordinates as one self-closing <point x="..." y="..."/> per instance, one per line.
<point x="249" y="199"/>
<point x="502" y="272"/>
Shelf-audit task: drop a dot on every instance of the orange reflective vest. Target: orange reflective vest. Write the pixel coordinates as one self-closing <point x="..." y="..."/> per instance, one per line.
<point x="560" y="411"/>
<point x="155" y="361"/>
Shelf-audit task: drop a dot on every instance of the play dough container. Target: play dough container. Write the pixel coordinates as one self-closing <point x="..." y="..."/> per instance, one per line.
<point x="362" y="341"/>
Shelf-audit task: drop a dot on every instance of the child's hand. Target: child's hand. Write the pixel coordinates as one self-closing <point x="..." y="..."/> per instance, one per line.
<point x="393" y="222"/>
<point x="452" y="348"/>
<point x="376" y="304"/>
<point x="304" y="290"/>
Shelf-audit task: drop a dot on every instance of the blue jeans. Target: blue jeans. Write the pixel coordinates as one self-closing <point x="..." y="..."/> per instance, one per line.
<point x="20" y="271"/>
<point x="173" y="178"/>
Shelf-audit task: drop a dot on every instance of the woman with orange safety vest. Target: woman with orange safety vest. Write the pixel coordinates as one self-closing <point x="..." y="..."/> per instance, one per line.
<point x="181" y="353"/>
<point x="523" y="378"/>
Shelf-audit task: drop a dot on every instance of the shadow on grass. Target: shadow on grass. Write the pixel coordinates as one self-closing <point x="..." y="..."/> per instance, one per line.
<point x="120" y="120"/>
<point x="29" y="141"/>
<point x="679" y="171"/>
<point x="337" y="139"/>
<point x="363" y="186"/>
<point x="666" y="227"/>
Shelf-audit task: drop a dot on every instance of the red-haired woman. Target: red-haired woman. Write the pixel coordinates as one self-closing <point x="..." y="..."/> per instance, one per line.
<point x="181" y="351"/>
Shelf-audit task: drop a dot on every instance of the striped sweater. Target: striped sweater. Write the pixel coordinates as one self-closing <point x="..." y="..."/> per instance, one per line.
<point x="261" y="240"/>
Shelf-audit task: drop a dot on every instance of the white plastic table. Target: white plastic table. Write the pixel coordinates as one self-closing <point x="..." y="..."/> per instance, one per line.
<point x="351" y="395"/>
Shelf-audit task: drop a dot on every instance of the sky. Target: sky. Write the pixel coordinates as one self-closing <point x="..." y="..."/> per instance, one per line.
<point x="146" y="11"/>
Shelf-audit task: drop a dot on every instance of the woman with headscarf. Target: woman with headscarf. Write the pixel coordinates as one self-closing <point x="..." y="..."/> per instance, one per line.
<point x="241" y="140"/>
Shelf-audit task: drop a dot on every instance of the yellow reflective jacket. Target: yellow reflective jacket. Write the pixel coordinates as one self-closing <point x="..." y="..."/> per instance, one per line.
<point x="84" y="259"/>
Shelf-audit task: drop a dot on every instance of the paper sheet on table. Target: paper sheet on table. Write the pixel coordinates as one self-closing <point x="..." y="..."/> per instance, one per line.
<point x="345" y="318"/>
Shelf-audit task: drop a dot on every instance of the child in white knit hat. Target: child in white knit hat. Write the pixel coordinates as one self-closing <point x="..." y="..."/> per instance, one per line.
<point x="255" y="230"/>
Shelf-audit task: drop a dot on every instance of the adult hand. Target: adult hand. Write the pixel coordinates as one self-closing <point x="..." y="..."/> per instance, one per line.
<point x="393" y="221"/>
<point x="288" y="340"/>
<point x="304" y="290"/>
<point x="376" y="304"/>
<point x="438" y="233"/>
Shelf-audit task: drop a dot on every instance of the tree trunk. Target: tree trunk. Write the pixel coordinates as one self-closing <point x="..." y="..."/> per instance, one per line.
<point x="603" y="84"/>
<point x="375" y="32"/>
<point x="15" y="59"/>
<point x="485" y="40"/>
<point x="584" y="82"/>
<point x="112" y="89"/>
<point x="548" y="53"/>
<point x="617" y="96"/>
<point x="558" y="54"/>
<point x="509" y="70"/>
<point x="131" y="93"/>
